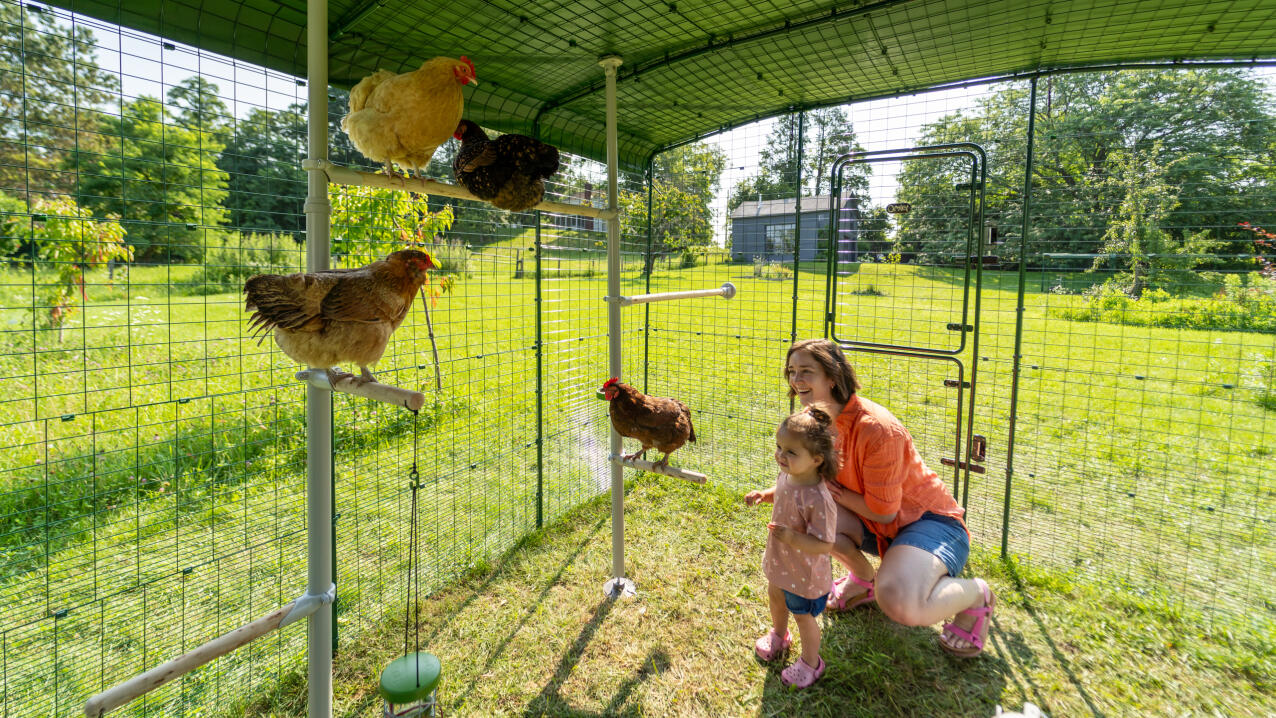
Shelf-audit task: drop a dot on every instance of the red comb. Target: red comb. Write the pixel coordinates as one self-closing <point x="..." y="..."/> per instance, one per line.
<point x="611" y="381"/>
<point x="466" y="60"/>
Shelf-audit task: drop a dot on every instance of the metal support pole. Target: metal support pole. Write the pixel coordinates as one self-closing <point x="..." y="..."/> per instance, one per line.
<point x="618" y="585"/>
<point x="1019" y="309"/>
<point x="318" y="401"/>
<point x="797" y="230"/>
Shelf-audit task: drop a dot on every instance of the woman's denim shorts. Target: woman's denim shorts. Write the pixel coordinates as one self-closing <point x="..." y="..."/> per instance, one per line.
<point x="942" y="536"/>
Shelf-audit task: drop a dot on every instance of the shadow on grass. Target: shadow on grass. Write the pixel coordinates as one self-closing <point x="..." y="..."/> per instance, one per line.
<point x="531" y="610"/>
<point x="550" y="702"/>
<point x="1014" y="646"/>
<point x="877" y="667"/>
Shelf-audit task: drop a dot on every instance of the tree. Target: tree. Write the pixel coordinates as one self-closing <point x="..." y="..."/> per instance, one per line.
<point x="1146" y="255"/>
<point x="827" y="135"/>
<point x="49" y="85"/>
<point x="683" y="182"/>
<point x="266" y="186"/>
<point x="1222" y="119"/>
<point x="160" y="176"/>
<point x="72" y="240"/>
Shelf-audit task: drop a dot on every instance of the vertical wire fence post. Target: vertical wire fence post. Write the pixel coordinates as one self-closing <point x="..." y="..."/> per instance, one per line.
<point x="648" y="266"/>
<point x="797" y="231"/>
<point x="540" y="381"/>
<point x="318" y="401"/>
<point x="1019" y="310"/>
<point x="618" y="585"/>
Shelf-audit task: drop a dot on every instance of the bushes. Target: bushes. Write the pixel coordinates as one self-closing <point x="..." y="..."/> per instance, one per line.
<point x="1244" y="303"/>
<point x="236" y="257"/>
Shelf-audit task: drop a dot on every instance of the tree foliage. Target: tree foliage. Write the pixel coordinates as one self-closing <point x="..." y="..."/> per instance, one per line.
<point x="369" y="223"/>
<point x="266" y="186"/>
<point x="1136" y="242"/>
<point x="683" y="187"/>
<point x="73" y="241"/>
<point x="159" y="174"/>
<point x="1213" y="128"/>
<point x="827" y="135"/>
<point x="50" y="84"/>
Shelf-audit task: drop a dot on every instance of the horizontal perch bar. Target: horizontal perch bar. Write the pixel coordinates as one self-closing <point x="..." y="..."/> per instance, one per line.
<point x="348" y="383"/>
<point x="694" y="477"/>
<point x="136" y="686"/>
<point x="344" y="175"/>
<point x="726" y="291"/>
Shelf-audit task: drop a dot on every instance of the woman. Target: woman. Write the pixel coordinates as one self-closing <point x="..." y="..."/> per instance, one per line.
<point x="891" y="505"/>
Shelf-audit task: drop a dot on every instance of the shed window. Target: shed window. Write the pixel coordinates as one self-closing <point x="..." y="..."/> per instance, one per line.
<point x="779" y="238"/>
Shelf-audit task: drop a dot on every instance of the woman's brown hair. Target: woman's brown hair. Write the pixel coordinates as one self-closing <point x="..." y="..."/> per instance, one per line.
<point x="831" y="359"/>
<point x="813" y="427"/>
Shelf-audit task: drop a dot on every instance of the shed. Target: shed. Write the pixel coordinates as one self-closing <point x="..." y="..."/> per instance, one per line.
<point x="765" y="228"/>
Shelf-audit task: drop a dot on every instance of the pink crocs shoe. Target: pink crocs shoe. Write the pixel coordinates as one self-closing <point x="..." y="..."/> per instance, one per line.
<point x="800" y="675"/>
<point x="771" y="646"/>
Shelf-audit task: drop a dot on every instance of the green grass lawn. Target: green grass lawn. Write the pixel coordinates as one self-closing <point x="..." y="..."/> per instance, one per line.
<point x="152" y="486"/>
<point x="532" y="634"/>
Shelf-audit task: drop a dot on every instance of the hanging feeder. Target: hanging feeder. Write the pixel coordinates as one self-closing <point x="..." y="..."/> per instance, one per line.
<point x="408" y="683"/>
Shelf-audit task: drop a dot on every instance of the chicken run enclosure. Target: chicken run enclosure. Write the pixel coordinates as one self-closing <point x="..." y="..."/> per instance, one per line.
<point x="1073" y="312"/>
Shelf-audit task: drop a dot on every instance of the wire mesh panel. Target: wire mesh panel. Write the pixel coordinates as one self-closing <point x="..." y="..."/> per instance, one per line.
<point x="151" y="458"/>
<point x="1142" y="413"/>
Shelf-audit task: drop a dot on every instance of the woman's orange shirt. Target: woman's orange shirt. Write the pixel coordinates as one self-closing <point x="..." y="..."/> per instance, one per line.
<point x="880" y="461"/>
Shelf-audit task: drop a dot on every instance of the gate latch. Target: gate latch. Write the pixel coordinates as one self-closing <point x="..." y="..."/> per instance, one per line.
<point x="978" y="447"/>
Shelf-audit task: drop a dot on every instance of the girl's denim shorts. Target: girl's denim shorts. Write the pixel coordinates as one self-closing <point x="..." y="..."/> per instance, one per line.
<point x="942" y="536"/>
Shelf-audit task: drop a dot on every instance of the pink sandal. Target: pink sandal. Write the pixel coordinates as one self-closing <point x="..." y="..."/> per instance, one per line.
<point x="800" y="675"/>
<point x="837" y="605"/>
<point x="771" y="646"/>
<point x="978" y="633"/>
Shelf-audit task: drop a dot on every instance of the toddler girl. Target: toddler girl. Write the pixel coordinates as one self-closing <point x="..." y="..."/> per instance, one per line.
<point x="802" y="525"/>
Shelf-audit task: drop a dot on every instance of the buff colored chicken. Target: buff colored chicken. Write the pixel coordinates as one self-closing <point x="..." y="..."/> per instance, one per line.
<point x="402" y="119"/>
<point x="322" y="319"/>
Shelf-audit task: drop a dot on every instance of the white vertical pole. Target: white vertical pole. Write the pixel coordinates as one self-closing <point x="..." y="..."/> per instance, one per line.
<point x="618" y="585"/>
<point x="318" y="400"/>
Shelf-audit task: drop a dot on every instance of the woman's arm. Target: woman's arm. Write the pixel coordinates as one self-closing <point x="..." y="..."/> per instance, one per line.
<point x="799" y="540"/>
<point x="855" y="502"/>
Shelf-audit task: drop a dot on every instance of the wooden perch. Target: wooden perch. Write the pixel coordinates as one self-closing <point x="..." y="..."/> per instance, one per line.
<point x="348" y="383"/>
<point x="694" y="477"/>
<point x="344" y="175"/>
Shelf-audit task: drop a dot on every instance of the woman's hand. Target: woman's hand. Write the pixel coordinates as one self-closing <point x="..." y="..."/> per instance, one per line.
<point x="837" y="491"/>
<point x="764" y="496"/>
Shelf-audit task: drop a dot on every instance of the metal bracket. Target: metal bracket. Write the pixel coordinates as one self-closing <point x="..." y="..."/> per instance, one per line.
<point x="309" y="603"/>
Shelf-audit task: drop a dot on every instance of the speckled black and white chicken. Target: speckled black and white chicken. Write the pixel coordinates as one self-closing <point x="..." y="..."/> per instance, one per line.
<point x="508" y="171"/>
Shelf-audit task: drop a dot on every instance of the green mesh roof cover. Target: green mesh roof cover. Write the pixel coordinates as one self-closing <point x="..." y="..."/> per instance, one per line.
<point x="694" y="67"/>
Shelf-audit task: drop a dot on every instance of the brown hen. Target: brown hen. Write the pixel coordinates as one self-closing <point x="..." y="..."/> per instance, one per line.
<point x="322" y="319"/>
<point x="657" y="422"/>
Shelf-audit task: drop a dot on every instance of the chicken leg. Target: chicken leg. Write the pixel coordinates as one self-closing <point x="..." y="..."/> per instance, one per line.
<point x="635" y="455"/>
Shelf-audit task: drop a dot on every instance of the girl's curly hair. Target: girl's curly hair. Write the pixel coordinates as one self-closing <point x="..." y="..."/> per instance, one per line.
<point x="813" y="426"/>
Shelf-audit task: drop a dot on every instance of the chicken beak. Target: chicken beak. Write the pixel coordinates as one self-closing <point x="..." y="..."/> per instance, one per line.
<point x="473" y="81"/>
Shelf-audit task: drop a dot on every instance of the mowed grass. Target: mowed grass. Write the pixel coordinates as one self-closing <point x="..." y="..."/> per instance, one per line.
<point x="1140" y="459"/>
<point x="532" y="634"/>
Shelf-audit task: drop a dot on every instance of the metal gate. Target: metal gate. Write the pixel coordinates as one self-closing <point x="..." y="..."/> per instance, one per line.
<point x="916" y="347"/>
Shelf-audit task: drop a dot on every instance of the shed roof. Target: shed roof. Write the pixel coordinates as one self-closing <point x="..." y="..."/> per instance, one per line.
<point x="694" y="67"/>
